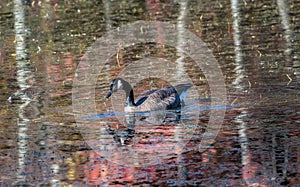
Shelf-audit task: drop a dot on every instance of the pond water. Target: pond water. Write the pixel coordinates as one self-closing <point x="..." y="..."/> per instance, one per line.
<point x="240" y="122"/>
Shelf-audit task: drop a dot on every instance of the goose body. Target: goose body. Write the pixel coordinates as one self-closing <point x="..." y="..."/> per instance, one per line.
<point x="158" y="99"/>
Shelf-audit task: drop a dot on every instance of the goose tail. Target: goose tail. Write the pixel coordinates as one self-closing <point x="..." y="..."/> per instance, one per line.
<point x="182" y="90"/>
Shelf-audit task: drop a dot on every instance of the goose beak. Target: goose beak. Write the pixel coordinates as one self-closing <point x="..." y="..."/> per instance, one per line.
<point x="108" y="94"/>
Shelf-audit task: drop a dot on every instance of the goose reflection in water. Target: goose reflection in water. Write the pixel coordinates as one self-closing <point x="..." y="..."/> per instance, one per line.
<point x="123" y="136"/>
<point x="125" y="133"/>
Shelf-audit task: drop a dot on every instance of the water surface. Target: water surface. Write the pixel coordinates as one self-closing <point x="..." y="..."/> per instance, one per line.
<point x="256" y="44"/>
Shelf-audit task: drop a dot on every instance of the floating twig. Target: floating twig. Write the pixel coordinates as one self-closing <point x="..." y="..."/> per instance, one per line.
<point x="289" y="79"/>
<point x="249" y="85"/>
<point x="118" y="57"/>
<point x="234" y="101"/>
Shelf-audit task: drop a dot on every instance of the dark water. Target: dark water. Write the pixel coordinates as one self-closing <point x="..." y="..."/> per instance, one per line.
<point x="44" y="142"/>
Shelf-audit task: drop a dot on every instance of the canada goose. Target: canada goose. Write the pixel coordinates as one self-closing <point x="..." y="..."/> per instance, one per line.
<point x="158" y="99"/>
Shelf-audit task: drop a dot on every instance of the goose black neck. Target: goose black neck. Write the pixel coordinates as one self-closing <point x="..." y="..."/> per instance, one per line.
<point x="130" y="99"/>
<point x="129" y="94"/>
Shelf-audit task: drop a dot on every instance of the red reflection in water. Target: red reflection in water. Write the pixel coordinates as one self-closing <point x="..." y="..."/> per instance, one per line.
<point x="250" y="171"/>
<point x="61" y="74"/>
<point x="98" y="171"/>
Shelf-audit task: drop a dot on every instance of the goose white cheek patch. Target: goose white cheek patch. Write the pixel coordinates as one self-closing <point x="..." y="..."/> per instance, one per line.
<point x="120" y="85"/>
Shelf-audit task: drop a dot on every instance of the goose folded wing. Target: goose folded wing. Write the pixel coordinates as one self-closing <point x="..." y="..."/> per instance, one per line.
<point x="165" y="98"/>
<point x="143" y="96"/>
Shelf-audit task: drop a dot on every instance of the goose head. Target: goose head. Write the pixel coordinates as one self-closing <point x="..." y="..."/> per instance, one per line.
<point x="115" y="85"/>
